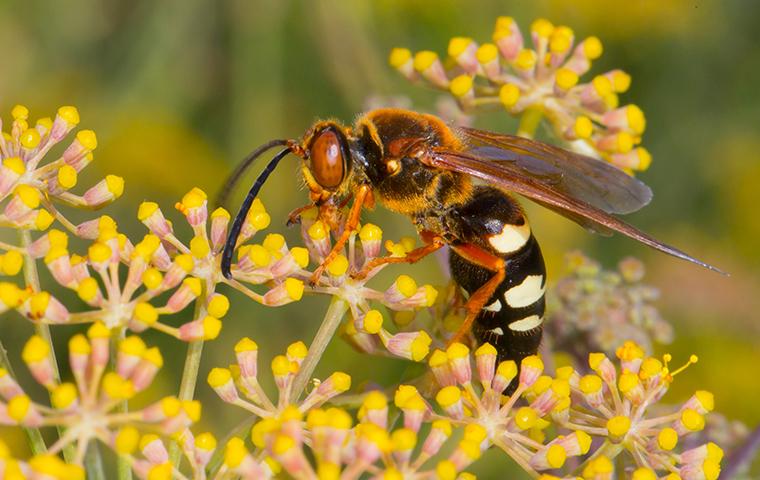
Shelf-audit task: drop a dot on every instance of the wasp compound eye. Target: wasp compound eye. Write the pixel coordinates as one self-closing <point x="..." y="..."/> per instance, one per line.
<point x="327" y="159"/>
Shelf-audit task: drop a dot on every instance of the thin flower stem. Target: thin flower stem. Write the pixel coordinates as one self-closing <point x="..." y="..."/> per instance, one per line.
<point x="529" y="122"/>
<point x="33" y="435"/>
<point x="32" y="279"/>
<point x="190" y="372"/>
<point x="744" y="454"/>
<point x="330" y="324"/>
<point x="514" y="455"/>
<point x="8" y="246"/>
<point x="216" y="463"/>
<point x="93" y="462"/>
<point x="59" y="216"/>
<point x="123" y="467"/>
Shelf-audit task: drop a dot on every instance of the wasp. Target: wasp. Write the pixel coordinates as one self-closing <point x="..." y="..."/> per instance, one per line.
<point x="456" y="186"/>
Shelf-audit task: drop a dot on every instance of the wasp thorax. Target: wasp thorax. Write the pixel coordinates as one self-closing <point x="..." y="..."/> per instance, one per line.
<point x="327" y="159"/>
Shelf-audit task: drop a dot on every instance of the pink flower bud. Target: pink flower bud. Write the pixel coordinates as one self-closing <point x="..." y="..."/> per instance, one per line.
<point x="291" y="290"/>
<point x="485" y="361"/>
<point x="290" y="455"/>
<point x="146" y="370"/>
<point x="531" y="368"/>
<point x="151" y="215"/>
<point x="195" y="207"/>
<point x="17" y="209"/>
<point x="220" y="379"/>
<point x="60" y="267"/>
<point x="465" y="453"/>
<point x="439" y="365"/>
<point x="105" y="191"/>
<point x="430" y="67"/>
<point x="411" y="345"/>
<point x="201" y="329"/>
<point x="246" y="353"/>
<point x="438" y="435"/>
<point x="463" y="50"/>
<point x="186" y="293"/>
<point x="371" y="237"/>
<point x="8" y="386"/>
<point x="220" y="218"/>
<point x="459" y="361"/>
<point x="154" y="449"/>
<point x="508" y="38"/>
<point x="129" y="355"/>
<point x="316" y="236"/>
<point x="8" y="179"/>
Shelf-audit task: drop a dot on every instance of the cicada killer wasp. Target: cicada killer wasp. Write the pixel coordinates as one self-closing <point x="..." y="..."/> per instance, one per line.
<point x="456" y="186"/>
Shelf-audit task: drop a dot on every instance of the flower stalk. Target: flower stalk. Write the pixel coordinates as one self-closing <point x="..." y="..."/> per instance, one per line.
<point x="33" y="435"/>
<point x="93" y="464"/>
<point x="190" y="371"/>
<point x="330" y="323"/>
<point x="32" y="278"/>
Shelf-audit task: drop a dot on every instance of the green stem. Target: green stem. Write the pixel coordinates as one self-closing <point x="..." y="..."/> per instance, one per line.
<point x="243" y="430"/>
<point x="32" y="279"/>
<point x="33" y="435"/>
<point x="529" y="121"/>
<point x="190" y="372"/>
<point x="330" y="324"/>
<point x="93" y="462"/>
<point x="123" y="466"/>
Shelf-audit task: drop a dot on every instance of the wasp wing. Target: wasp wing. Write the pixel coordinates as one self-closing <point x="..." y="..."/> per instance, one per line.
<point x="543" y="190"/>
<point x="595" y="182"/>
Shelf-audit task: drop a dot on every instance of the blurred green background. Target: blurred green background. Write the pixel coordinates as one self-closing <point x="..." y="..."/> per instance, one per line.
<point x="179" y="90"/>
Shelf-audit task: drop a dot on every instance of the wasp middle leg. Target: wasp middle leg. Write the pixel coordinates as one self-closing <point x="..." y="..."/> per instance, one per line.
<point x="432" y="244"/>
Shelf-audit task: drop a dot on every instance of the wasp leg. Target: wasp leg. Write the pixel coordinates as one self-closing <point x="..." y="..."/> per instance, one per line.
<point x="350" y="227"/>
<point x="413" y="256"/>
<point x="478" y="299"/>
<point x="294" y="217"/>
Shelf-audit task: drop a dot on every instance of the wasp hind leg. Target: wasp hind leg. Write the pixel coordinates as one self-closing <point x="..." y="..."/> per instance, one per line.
<point x="478" y="300"/>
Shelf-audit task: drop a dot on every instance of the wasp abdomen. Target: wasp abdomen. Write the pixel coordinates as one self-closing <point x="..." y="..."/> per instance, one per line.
<point x="512" y="318"/>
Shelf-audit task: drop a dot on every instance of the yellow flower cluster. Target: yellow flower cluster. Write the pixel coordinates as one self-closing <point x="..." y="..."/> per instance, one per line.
<point x="616" y="404"/>
<point x="88" y="408"/>
<point x="29" y="183"/>
<point x="542" y="80"/>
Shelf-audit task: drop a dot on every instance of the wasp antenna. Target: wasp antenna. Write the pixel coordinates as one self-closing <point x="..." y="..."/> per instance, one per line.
<point x="237" y="174"/>
<point x="237" y="225"/>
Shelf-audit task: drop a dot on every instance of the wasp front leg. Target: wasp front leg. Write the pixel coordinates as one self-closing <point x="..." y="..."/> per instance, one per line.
<point x="363" y="195"/>
<point x="294" y="217"/>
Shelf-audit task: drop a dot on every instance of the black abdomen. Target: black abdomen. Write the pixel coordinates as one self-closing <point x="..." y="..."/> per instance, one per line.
<point x="512" y="318"/>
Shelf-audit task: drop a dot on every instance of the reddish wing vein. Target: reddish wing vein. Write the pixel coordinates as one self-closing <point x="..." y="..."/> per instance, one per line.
<point x="544" y="194"/>
<point x="597" y="183"/>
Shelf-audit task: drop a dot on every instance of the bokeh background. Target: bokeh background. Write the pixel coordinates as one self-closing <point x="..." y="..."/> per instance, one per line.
<point x="179" y="90"/>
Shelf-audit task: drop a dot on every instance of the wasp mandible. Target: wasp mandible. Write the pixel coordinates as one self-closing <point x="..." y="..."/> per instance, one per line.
<point x="415" y="164"/>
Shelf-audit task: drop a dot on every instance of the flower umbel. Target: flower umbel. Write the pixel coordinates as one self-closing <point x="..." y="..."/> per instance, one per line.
<point x="617" y="406"/>
<point x="539" y="80"/>
<point x="599" y="309"/>
<point x="30" y="184"/>
<point x="88" y="407"/>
